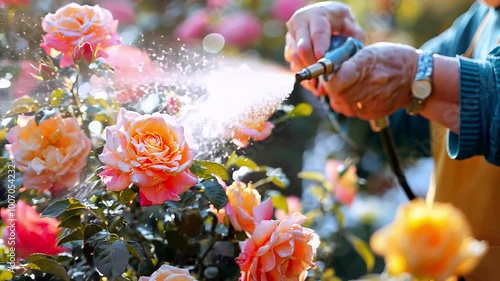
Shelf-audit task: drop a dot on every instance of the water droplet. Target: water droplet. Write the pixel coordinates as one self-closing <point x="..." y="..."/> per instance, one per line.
<point x="213" y="43"/>
<point x="4" y="83"/>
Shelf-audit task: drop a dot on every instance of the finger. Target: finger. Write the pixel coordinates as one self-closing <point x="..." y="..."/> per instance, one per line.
<point x="291" y="53"/>
<point x="304" y="45"/>
<point x="319" y="29"/>
<point x="351" y="28"/>
<point x="340" y="107"/>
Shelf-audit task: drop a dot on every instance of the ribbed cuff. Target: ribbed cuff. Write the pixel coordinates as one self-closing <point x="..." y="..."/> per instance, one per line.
<point x="468" y="142"/>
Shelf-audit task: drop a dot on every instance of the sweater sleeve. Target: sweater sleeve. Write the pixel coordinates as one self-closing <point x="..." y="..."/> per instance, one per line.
<point x="479" y="127"/>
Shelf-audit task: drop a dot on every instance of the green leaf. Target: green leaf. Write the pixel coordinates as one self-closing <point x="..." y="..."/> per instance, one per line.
<point x="100" y="236"/>
<point x="127" y="196"/>
<point x="90" y="230"/>
<point x="215" y="193"/>
<point x="44" y="115"/>
<point x="276" y="181"/>
<point x="49" y="266"/>
<point x="279" y="201"/>
<point x="214" y="168"/>
<point x="71" y="222"/>
<point x="111" y="259"/>
<point x="314" y="176"/>
<point x="200" y="171"/>
<point x="363" y="250"/>
<point x="57" y="208"/>
<point x="136" y="250"/>
<point x="76" y="234"/>
<point x="22" y="105"/>
<point x="6" y="275"/>
<point x="301" y="110"/>
<point x="35" y="257"/>
<point x="241" y="161"/>
<point x="56" y="97"/>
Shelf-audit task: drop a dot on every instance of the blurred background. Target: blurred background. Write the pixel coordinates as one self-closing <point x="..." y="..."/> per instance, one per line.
<point x="256" y="29"/>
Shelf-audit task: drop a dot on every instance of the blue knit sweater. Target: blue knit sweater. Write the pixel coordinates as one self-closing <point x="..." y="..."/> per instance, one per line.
<point x="479" y="129"/>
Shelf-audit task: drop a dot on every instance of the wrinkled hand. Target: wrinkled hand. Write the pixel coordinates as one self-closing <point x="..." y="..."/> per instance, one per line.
<point x="374" y="83"/>
<point x="310" y="30"/>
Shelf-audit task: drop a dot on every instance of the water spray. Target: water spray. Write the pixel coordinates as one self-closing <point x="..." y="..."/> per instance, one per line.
<point x="341" y="49"/>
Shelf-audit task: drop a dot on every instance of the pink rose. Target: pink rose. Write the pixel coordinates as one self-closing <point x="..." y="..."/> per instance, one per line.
<point x="73" y="25"/>
<point x="133" y="69"/>
<point x="151" y="152"/>
<point x="122" y="10"/>
<point x="51" y="155"/>
<point x="278" y="250"/>
<point x="33" y="234"/>
<point x="194" y="26"/>
<point x="282" y="10"/>
<point x="169" y="273"/>
<point x="252" y="130"/>
<point x="345" y="188"/>
<point x="217" y="3"/>
<point x="239" y="29"/>
<point x="14" y="2"/>
<point x="244" y="207"/>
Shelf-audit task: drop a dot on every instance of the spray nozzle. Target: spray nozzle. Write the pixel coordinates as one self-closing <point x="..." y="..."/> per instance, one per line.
<point x="341" y="49"/>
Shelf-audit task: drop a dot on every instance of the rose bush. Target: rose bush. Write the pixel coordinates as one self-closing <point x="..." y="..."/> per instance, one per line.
<point x="33" y="234"/>
<point x="278" y="250"/>
<point x="151" y="152"/>
<point x="74" y="24"/>
<point x="51" y="155"/>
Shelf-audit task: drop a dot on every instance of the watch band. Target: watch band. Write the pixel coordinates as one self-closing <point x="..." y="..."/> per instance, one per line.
<point x="421" y="87"/>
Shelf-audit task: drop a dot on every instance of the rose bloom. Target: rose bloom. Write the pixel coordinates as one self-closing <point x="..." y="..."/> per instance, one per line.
<point x="428" y="242"/>
<point x="244" y="207"/>
<point x="239" y="29"/>
<point x="278" y="250"/>
<point x="73" y="24"/>
<point x="345" y="188"/>
<point x="150" y="151"/>
<point x="251" y="129"/>
<point x="282" y="10"/>
<point x="195" y="26"/>
<point x="51" y="155"/>
<point x="169" y="273"/>
<point x="133" y="71"/>
<point x="33" y="234"/>
<point x="14" y="2"/>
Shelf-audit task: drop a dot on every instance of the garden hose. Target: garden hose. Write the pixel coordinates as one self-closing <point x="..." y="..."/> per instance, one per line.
<point x="341" y="49"/>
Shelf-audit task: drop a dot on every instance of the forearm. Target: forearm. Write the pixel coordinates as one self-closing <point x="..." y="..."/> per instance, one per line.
<point x="442" y="106"/>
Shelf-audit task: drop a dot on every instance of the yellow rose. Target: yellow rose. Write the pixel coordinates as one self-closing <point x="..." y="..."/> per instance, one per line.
<point x="169" y="273"/>
<point x="428" y="242"/>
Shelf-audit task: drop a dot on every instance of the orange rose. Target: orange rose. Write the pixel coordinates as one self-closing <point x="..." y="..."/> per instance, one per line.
<point x="278" y="250"/>
<point x="150" y="151"/>
<point x="50" y="155"/>
<point x="73" y="25"/>
<point x="169" y="273"/>
<point x="28" y="233"/>
<point x="244" y="207"/>
<point x="428" y="242"/>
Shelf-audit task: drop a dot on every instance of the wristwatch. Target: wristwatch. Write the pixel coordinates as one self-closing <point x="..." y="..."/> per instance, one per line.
<point x="422" y="86"/>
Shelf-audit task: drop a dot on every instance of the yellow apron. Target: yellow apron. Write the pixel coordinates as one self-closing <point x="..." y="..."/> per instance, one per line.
<point x="473" y="185"/>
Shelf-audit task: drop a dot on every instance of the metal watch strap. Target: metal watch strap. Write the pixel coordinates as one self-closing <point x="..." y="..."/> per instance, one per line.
<point x="424" y="72"/>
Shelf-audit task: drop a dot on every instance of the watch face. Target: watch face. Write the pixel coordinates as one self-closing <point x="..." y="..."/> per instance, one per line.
<point x="421" y="88"/>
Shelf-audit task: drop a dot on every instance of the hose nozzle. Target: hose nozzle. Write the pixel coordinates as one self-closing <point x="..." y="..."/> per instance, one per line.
<point x="341" y="49"/>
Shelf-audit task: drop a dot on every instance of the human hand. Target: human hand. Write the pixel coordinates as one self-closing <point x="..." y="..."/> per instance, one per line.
<point x="374" y="83"/>
<point x="310" y="30"/>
